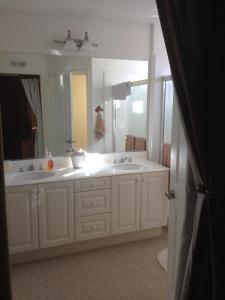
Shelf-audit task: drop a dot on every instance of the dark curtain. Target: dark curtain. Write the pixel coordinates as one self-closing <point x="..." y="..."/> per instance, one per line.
<point x="5" y="283"/>
<point x="194" y="33"/>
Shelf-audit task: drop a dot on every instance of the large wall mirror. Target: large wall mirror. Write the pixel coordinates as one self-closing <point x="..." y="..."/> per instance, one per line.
<point x="59" y="102"/>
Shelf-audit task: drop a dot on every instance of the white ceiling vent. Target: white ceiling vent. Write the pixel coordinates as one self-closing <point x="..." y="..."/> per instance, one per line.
<point x="14" y="63"/>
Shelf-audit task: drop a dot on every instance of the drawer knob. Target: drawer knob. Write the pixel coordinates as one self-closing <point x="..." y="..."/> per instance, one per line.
<point x="87" y="229"/>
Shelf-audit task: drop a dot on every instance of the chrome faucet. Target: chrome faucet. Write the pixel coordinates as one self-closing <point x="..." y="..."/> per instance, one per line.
<point x="125" y="158"/>
<point x="122" y="159"/>
<point x="31" y="167"/>
<point x="21" y="169"/>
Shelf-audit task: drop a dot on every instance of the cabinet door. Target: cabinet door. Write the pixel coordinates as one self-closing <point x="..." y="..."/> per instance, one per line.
<point x="22" y="218"/>
<point x="56" y="213"/>
<point x="125" y="203"/>
<point x="153" y="200"/>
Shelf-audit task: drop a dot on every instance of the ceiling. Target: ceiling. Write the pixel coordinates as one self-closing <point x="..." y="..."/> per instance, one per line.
<point x="133" y="10"/>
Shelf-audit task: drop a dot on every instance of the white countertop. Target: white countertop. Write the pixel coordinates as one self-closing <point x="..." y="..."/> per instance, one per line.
<point x="93" y="169"/>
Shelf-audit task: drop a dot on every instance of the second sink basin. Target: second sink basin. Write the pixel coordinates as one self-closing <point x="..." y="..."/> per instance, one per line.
<point x="34" y="175"/>
<point x="128" y="167"/>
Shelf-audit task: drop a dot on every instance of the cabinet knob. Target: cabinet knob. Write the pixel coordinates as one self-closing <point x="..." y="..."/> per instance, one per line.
<point x="34" y="192"/>
<point x="94" y="227"/>
<point x="41" y="191"/>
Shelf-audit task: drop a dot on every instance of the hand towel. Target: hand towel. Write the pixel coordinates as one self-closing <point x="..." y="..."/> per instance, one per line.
<point x="129" y="142"/>
<point x="140" y="144"/>
<point x="100" y="126"/>
<point x="121" y="91"/>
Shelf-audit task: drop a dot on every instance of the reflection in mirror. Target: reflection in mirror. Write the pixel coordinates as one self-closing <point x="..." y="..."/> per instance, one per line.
<point x="20" y="103"/>
<point x="57" y="110"/>
<point x="130" y="119"/>
<point x="79" y="110"/>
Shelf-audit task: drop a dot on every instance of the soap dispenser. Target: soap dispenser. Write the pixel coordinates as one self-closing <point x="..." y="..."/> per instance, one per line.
<point x="50" y="161"/>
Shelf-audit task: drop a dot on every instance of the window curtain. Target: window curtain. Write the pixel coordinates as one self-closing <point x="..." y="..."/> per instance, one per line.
<point x="5" y="278"/>
<point x="32" y="91"/>
<point x="193" y="31"/>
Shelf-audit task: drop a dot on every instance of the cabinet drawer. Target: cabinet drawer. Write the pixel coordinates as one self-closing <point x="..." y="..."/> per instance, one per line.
<point x="92" y="227"/>
<point x="92" y="203"/>
<point x="82" y="185"/>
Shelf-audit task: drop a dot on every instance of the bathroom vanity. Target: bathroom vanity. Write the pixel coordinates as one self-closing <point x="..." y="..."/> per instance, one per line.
<point x="73" y="210"/>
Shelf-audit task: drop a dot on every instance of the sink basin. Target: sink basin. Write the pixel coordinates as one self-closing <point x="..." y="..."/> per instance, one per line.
<point x="128" y="167"/>
<point x="34" y="175"/>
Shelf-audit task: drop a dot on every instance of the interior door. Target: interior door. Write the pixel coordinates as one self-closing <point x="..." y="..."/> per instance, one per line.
<point x="62" y="112"/>
<point x="177" y="204"/>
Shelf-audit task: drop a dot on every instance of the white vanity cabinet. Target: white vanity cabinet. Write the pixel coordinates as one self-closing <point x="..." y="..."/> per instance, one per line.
<point x="56" y="213"/>
<point x="125" y="204"/>
<point x="153" y="200"/>
<point x="22" y="218"/>
<point x="46" y="215"/>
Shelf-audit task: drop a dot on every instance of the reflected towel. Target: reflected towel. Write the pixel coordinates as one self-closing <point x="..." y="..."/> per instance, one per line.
<point x="129" y="142"/>
<point x="121" y="91"/>
<point x="166" y="155"/>
<point x="140" y="144"/>
<point x="100" y="126"/>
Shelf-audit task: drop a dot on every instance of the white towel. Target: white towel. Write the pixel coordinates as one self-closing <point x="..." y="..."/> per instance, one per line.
<point x="100" y="126"/>
<point x="121" y="91"/>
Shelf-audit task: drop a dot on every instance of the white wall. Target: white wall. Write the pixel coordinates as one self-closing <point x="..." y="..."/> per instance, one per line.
<point x="159" y="67"/>
<point x="34" y="33"/>
<point x="35" y="63"/>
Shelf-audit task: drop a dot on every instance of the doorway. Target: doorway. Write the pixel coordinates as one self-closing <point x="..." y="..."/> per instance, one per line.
<point x="79" y="112"/>
<point x="19" y="122"/>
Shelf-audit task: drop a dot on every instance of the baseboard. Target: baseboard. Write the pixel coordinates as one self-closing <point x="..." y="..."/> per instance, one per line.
<point x="68" y="249"/>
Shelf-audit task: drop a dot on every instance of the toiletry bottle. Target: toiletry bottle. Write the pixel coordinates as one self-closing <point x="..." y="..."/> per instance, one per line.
<point x="50" y="161"/>
<point x="46" y="159"/>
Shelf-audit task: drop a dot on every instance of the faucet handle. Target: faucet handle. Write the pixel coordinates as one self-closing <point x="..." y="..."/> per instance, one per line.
<point x="21" y="169"/>
<point x="40" y="167"/>
<point x="31" y="167"/>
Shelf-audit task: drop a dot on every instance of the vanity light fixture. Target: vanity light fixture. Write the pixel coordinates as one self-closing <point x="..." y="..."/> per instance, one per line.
<point x="87" y="44"/>
<point x="69" y="43"/>
<point x="76" y="44"/>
